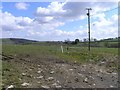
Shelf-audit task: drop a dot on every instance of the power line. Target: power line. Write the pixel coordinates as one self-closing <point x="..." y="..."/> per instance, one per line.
<point x="105" y="11"/>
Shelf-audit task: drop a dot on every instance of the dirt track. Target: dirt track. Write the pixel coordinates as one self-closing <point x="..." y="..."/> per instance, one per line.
<point x="50" y="72"/>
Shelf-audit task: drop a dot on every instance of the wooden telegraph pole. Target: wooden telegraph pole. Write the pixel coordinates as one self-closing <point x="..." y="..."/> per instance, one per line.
<point x="88" y="14"/>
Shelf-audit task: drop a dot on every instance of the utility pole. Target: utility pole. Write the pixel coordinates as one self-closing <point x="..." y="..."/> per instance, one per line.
<point x="88" y="14"/>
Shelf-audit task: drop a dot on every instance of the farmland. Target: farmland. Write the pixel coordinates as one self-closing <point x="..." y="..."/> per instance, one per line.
<point x="45" y="66"/>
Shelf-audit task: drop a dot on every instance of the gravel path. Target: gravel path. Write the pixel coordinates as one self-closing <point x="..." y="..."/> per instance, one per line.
<point x="51" y="72"/>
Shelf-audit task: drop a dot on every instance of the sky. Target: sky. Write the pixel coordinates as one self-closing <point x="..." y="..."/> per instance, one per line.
<point x="58" y="21"/>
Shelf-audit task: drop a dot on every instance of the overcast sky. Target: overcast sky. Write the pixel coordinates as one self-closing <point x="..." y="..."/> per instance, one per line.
<point x="54" y="21"/>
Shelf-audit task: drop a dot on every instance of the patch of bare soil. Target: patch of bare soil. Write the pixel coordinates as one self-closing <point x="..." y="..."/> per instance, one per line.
<point x="50" y="72"/>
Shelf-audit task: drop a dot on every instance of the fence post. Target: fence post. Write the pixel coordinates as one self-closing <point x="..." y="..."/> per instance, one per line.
<point x="62" y="48"/>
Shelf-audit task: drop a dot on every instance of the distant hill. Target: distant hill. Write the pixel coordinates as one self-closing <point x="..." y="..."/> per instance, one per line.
<point x="17" y="41"/>
<point x="110" y="42"/>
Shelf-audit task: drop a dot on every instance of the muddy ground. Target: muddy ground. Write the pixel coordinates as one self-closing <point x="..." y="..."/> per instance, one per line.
<point x="51" y="72"/>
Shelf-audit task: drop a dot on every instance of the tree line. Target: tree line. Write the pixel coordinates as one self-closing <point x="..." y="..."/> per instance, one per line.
<point x="110" y="42"/>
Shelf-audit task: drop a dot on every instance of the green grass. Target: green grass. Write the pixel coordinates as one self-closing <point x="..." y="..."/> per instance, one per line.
<point x="0" y="73"/>
<point x="80" y="54"/>
<point x="10" y="74"/>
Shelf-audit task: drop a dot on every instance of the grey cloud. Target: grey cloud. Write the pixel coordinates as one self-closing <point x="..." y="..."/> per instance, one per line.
<point x="22" y="23"/>
<point x="74" y="10"/>
<point x="7" y="28"/>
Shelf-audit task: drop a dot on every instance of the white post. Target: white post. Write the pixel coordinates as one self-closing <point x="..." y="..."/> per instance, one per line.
<point x="62" y="49"/>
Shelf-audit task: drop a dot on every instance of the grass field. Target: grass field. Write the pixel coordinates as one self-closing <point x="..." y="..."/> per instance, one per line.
<point x="73" y="54"/>
<point x="77" y="53"/>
